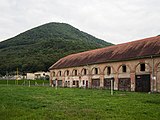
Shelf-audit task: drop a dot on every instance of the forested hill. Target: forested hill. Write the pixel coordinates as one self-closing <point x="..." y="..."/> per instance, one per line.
<point x="37" y="49"/>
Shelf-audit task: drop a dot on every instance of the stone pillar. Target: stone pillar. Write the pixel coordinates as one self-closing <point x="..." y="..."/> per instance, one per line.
<point x="71" y="82"/>
<point x="133" y="85"/>
<point x="63" y="81"/>
<point x="158" y="81"/>
<point x="80" y="81"/>
<point x="116" y="82"/>
<point x="101" y="81"/>
<point x="89" y="81"/>
<point x="153" y="81"/>
<point x="89" y="78"/>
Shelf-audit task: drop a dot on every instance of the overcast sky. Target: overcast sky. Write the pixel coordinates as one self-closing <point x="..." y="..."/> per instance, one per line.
<point x="115" y="21"/>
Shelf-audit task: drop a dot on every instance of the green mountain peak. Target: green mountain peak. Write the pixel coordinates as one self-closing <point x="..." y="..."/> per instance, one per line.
<point x="38" y="48"/>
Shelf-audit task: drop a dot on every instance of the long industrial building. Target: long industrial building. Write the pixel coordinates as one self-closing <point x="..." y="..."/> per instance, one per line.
<point x="132" y="66"/>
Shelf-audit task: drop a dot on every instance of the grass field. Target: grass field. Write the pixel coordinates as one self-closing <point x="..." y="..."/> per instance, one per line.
<point x="46" y="103"/>
<point x="24" y="82"/>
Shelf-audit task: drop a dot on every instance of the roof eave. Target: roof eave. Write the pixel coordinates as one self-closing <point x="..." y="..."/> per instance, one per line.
<point x="108" y="61"/>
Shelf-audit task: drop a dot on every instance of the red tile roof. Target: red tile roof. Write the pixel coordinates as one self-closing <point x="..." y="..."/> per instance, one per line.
<point x="132" y="50"/>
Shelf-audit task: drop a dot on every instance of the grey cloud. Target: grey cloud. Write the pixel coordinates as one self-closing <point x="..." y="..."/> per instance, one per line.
<point x="115" y="21"/>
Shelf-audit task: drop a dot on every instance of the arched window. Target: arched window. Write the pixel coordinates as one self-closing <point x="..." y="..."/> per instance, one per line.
<point x="124" y="68"/>
<point x="66" y="73"/>
<point x="75" y="72"/>
<point x="84" y="71"/>
<point x="108" y="70"/>
<point x="96" y="71"/>
<point x="60" y="73"/>
<point x="142" y="67"/>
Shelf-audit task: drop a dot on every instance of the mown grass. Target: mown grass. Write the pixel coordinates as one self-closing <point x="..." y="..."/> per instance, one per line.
<point x="46" y="103"/>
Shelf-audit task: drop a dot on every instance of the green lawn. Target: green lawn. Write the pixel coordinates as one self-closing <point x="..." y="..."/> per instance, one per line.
<point x="24" y="82"/>
<point x="46" y="103"/>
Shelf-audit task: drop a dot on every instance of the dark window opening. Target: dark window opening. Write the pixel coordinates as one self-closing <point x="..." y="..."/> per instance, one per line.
<point x="108" y="70"/>
<point x="67" y="72"/>
<point x="85" y="71"/>
<point x="96" y="70"/>
<point x="124" y="69"/>
<point x="75" y="72"/>
<point x="142" y="67"/>
<point x="83" y="82"/>
<point x="60" y="73"/>
<point x="74" y="82"/>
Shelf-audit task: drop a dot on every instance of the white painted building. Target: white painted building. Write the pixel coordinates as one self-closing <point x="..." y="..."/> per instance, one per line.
<point x="37" y="75"/>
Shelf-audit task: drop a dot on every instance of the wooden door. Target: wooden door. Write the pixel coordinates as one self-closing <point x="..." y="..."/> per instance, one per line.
<point x="124" y="84"/>
<point x="60" y="83"/>
<point x="142" y="83"/>
<point x="87" y="84"/>
<point x="107" y="83"/>
<point x="95" y="83"/>
<point x="77" y="84"/>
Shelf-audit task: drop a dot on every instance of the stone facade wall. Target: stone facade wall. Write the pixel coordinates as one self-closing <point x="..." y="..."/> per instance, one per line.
<point x="152" y="68"/>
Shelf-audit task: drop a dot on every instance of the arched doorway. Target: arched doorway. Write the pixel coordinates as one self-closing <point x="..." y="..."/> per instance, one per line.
<point x="124" y="80"/>
<point x="108" y="77"/>
<point x="142" y="78"/>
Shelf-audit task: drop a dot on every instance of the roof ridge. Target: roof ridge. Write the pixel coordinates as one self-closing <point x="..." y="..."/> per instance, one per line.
<point x="131" y="42"/>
